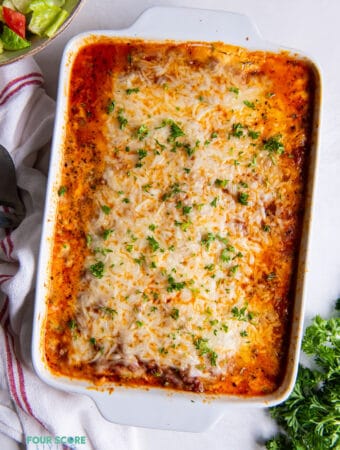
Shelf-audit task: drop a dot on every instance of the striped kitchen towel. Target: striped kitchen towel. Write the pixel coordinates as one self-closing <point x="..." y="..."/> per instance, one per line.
<point x="32" y="413"/>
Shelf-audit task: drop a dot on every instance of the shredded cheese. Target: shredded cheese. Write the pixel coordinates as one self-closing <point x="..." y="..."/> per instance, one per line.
<point x="193" y="232"/>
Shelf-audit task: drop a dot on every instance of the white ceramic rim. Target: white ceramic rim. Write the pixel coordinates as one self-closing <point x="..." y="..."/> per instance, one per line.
<point x="156" y="408"/>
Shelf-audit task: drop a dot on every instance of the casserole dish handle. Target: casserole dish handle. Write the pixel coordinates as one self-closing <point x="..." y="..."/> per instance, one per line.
<point x="195" y="24"/>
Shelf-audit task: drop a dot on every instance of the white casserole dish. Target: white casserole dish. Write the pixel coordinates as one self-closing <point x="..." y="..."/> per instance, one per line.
<point x="157" y="408"/>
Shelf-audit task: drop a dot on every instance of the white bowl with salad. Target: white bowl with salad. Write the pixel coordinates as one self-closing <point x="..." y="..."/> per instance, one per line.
<point x="27" y="26"/>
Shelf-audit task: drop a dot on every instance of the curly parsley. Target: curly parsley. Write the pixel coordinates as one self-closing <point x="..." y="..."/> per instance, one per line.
<point x="310" y="418"/>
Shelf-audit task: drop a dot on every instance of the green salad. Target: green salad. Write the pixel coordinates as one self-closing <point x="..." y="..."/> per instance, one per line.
<point x="21" y="19"/>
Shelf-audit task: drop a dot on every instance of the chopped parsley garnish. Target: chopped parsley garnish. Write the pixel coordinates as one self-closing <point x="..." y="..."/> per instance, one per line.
<point x="141" y="154"/>
<point x="249" y="104"/>
<point x="201" y="345"/>
<point x="152" y="227"/>
<point x="233" y="269"/>
<point x="210" y="267"/>
<point x="107" y="234"/>
<point x="186" y="170"/>
<point x="175" y="130"/>
<point x="253" y="134"/>
<point x="243" y="184"/>
<point x="243" y="333"/>
<point x="108" y="311"/>
<point x="146" y="187"/>
<point x="121" y="119"/>
<point x="243" y="198"/>
<point x="174" y="189"/>
<point x="242" y="314"/>
<point x="225" y="255"/>
<point x="133" y="238"/>
<point x="106" y="209"/>
<point x="221" y="183"/>
<point x="214" y="202"/>
<point x="274" y="144"/>
<point x="174" y="313"/>
<point x="103" y="251"/>
<point x="186" y="209"/>
<point x="110" y="106"/>
<point x="97" y="269"/>
<point x="142" y="132"/>
<point x="93" y="341"/>
<point x="175" y="286"/>
<point x="72" y="324"/>
<point x="184" y="225"/>
<point x="222" y="239"/>
<point x="237" y="130"/>
<point x="153" y="243"/>
<point x="213" y="358"/>
<point x="163" y="351"/>
<point x="139" y="323"/>
<point x="88" y="240"/>
<point x="132" y="91"/>
<point x="207" y="240"/>
<point x="139" y="260"/>
<point x="214" y="135"/>
<point x="199" y="206"/>
<point x="253" y="162"/>
<point x="190" y="150"/>
<point x="266" y="228"/>
<point x="234" y="89"/>
<point x="161" y="146"/>
<point x="126" y="200"/>
<point x="62" y="190"/>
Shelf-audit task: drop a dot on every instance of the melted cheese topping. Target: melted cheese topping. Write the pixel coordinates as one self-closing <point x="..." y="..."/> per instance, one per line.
<point x="192" y="225"/>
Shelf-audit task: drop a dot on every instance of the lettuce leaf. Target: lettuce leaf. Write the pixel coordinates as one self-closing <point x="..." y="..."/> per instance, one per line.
<point x="12" y="41"/>
<point x="56" y="24"/>
<point x="22" y="5"/>
<point x="58" y="3"/>
<point x="46" y="17"/>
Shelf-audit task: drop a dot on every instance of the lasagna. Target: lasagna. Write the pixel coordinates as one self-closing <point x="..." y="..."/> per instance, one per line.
<point x="179" y="216"/>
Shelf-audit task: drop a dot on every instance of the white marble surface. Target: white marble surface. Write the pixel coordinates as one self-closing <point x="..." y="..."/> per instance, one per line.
<point x="311" y="26"/>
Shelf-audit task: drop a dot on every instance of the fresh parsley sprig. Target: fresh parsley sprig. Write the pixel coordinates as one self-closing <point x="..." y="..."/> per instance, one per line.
<point x="310" y="418"/>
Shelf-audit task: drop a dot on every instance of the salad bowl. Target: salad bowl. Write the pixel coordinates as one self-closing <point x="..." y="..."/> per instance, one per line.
<point x="37" y="40"/>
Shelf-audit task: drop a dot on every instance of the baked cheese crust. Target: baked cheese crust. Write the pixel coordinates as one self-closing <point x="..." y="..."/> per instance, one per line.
<point x="179" y="216"/>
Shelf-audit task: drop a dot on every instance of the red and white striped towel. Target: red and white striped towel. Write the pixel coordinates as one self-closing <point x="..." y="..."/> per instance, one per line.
<point x="28" y="407"/>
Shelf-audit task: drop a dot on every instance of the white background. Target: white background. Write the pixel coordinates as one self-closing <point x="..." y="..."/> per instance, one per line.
<point x="311" y="26"/>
